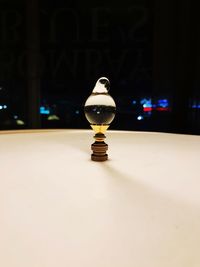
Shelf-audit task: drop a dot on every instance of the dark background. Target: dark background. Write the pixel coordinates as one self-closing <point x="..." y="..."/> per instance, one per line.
<point x="52" y="53"/>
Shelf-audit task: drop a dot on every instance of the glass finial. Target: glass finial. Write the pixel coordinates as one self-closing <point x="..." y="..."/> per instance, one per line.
<point x="100" y="111"/>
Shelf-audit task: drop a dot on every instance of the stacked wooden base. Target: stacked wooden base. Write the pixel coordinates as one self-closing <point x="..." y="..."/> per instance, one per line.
<point x="99" y="151"/>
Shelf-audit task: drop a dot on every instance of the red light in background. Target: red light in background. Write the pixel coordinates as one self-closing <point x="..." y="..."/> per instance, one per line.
<point x="147" y="109"/>
<point x="162" y="109"/>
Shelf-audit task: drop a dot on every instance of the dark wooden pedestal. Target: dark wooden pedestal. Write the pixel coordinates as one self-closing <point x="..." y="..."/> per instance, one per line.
<point x="99" y="148"/>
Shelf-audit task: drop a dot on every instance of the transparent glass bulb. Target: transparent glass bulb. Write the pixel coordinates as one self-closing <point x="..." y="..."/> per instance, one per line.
<point x="100" y="107"/>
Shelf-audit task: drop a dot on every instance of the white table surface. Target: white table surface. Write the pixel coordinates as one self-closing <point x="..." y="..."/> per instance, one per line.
<point x="141" y="208"/>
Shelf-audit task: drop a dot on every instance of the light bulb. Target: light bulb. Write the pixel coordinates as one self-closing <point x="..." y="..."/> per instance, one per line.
<point x="100" y="111"/>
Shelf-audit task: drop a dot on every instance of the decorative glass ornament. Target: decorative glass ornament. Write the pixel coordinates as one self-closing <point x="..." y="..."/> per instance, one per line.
<point x="100" y="111"/>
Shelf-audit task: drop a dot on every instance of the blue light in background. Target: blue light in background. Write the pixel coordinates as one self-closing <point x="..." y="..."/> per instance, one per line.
<point x="164" y="103"/>
<point x="146" y="102"/>
<point x="44" y="111"/>
<point x="196" y="106"/>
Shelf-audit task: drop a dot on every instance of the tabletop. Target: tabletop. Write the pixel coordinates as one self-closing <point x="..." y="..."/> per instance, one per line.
<point x="141" y="208"/>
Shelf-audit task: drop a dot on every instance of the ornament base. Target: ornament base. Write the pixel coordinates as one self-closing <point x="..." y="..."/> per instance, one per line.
<point x="99" y="148"/>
